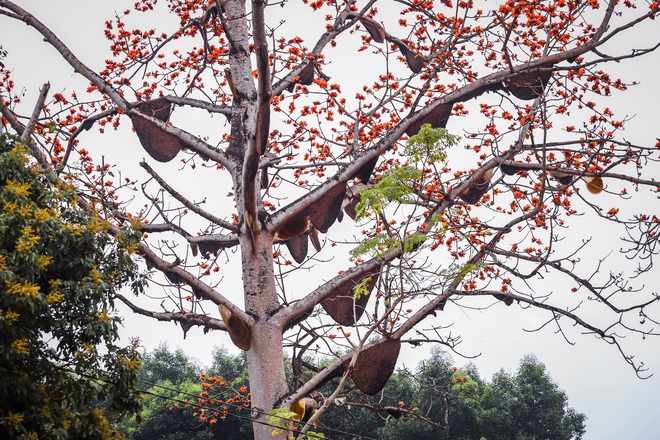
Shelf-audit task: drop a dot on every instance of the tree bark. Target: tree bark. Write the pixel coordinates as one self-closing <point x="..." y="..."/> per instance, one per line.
<point x="268" y="384"/>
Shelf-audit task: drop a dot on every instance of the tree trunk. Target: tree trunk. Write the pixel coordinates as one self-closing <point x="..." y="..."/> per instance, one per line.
<point x="265" y="358"/>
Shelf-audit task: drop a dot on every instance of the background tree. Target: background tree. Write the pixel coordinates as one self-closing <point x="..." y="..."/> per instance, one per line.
<point x="59" y="270"/>
<point x="437" y="400"/>
<point x="442" y="222"/>
<point x="172" y="383"/>
<point x="162" y="364"/>
<point x="511" y="406"/>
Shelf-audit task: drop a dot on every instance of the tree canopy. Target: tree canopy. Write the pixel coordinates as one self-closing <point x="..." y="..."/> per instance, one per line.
<point x="440" y="157"/>
<point x="59" y="358"/>
<point x="436" y="400"/>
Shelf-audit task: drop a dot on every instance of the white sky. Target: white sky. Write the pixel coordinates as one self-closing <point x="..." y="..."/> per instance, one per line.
<point x="595" y="377"/>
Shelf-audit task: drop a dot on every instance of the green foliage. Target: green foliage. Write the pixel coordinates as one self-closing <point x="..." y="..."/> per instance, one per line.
<point x="524" y="405"/>
<point x="229" y="367"/>
<point x="430" y="144"/>
<point x="396" y="185"/>
<point x="59" y="269"/>
<point x="166" y="415"/>
<point x="170" y="379"/>
<point x="529" y="405"/>
<point x="458" y="272"/>
<point x="281" y="418"/>
<point x="164" y="365"/>
<point x="383" y="243"/>
<point x="361" y="289"/>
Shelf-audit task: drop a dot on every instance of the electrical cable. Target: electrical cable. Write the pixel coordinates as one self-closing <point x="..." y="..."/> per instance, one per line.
<point x="327" y="428"/>
<point x="217" y="411"/>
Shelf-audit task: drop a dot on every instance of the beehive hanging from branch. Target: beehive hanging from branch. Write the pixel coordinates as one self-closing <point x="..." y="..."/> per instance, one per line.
<point x="438" y="118"/>
<point x="159" y="144"/>
<point x="238" y="331"/>
<point x="528" y="85"/>
<point x="375" y="364"/>
<point x="343" y="306"/>
<point x="324" y="211"/>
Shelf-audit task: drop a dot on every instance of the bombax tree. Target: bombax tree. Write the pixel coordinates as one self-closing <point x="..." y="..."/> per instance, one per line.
<point x="262" y="135"/>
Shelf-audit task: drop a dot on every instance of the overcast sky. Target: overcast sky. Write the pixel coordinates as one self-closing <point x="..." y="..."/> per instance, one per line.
<point x="597" y="380"/>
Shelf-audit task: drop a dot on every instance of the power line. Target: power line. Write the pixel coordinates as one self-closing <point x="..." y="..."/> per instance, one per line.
<point x="185" y="393"/>
<point x="195" y="405"/>
<point x="217" y="411"/>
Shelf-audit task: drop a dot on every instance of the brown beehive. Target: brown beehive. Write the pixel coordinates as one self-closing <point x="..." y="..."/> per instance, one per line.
<point x="314" y="238"/>
<point x="374" y="28"/>
<point x="438" y="118"/>
<point x="298" y="247"/>
<point x="174" y="278"/>
<point x="238" y="331"/>
<point x="505" y="299"/>
<point x="375" y="364"/>
<point x="364" y="173"/>
<point x="595" y="185"/>
<point x="304" y="409"/>
<point x="324" y="211"/>
<point x="342" y="306"/>
<point x="159" y="144"/>
<point x="349" y="207"/>
<point x="307" y="74"/>
<point x="293" y="228"/>
<point x="476" y="190"/>
<point x="413" y="59"/>
<point x="563" y="178"/>
<point x="528" y="85"/>
<point x="209" y="247"/>
<point x="511" y="168"/>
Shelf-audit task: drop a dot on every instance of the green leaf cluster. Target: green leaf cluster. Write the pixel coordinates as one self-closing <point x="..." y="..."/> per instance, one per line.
<point x="396" y="185"/>
<point x="380" y="244"/>
<point x="430" y="144"/>
<point x="59" y="269"/>
<point x="523" y="405"/>
<point x="170" y="377"/>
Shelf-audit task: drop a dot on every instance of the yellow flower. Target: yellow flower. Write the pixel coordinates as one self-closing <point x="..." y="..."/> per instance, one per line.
<point x="95" y="275"/>
<point x="30" y="436"/>
<point x="131" y="365"/>
<point x="43" y="215"/>
<point x="11" y="316"/>
<point x="136" y="223"/>
<point x="10" y="207"/>
<point x="43" y="261"/>
<point x="26" y="210"/>
<point x="20" y="346"/>
<point x="45" y="411"/>
<point x="28" y="289"/>
<point x="95" y="225"/>
<point x="104" y="317"/>
<point x="14" y="419"/>
<point x="130" y="248"/>
<point x="20" y="189"/>
<point x="54" y="297"/>
<point x="28" y="239"/>
<point x="73" y="229"/>
<point x="21" y="151"/>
